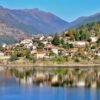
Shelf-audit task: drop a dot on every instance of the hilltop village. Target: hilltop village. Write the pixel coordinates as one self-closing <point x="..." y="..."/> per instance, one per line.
<point x="77" y="45"/>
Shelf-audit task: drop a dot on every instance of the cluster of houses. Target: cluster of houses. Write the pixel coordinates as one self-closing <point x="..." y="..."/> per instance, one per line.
<point x="47" y="49"/>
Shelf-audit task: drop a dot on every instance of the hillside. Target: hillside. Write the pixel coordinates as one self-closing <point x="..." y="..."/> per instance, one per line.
<point x="10" y="35"/>
<point x="84" y="20"/>
<point x="84" y="32"/>
<point x="32" y="21"/>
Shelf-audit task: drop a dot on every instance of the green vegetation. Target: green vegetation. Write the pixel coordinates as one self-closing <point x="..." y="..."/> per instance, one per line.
<point x="56" y="40"/>
<point x="14" y="57"/>
<point x="80" y="36"/>
<point x="21" y="52"/>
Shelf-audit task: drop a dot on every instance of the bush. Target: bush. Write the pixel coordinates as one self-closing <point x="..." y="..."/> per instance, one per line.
<point x="58" y="59"/>
<point x="77" y="60"/>
<point x="14" y="57"/>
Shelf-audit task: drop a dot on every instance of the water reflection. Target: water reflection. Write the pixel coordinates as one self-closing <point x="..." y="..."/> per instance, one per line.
<point x="10" y="89"/>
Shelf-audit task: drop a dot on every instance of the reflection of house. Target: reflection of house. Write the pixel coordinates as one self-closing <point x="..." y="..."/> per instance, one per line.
<point x="55" y="79"/>
<point x="40" y="76"/>
<point x="80" y="83"/>
<point x="29" y="80"/>
<point x="94" y="84"/>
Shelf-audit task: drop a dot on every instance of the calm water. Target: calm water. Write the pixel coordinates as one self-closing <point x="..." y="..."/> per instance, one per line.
<point x="47" y="93"/>
<point x="10" y="90"/>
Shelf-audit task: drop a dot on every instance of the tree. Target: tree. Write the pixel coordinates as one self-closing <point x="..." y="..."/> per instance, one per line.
<point x="68" y="45"/>
<point x="98" y="42"/>
<point x="26" y="53"/>
<point x="78" y="36"/>
<point x="21" y="52"/>
<point x="40" y="45"/>
<point x="14" y="57"/>
<point x="56" y="40"/>
<point x="62" y="42"/>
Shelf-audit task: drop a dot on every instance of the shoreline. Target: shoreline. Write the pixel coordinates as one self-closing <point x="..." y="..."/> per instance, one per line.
<point x="30" y="65"/>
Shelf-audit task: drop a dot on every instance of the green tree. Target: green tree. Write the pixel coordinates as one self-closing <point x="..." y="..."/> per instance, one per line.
<point x="98" y="42"/>
<point x="26" y="53"/>
<point x="76" y="36"/>
<point x="13" y="58"/>
<point x="40" y="45"/>
<point x="68" y="45"/>
<point x="56" y="40"/>
<point x="62" y="43"/>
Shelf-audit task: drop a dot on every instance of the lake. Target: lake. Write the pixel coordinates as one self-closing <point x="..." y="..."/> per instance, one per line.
<point x="12" y="90"/>
<point x="19" y="92"/>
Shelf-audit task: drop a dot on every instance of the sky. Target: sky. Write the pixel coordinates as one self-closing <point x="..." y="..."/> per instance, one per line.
<point x="68" y="10"/>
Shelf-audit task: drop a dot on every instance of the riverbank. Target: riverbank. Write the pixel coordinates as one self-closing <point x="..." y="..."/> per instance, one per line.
<point x="47" y="64"/>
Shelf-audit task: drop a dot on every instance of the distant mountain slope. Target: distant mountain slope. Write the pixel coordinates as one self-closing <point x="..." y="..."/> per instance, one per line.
<point x="10" y="35"/>
<point x="32" y="21"/>
<point x="84" y="20"/>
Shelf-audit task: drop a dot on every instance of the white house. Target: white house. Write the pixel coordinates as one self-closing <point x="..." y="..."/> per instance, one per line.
<point x="34" y="47"/>
<point x="53" y="48"/>
<point x="41" y="38"/>
<point x="39" y="54"/>
<point x="1" y="53"/>
<point x="98" y="52"/>
<point x="80" y="43"/>
<point x="29" y="45"/>
<point x="4" y="45"/>
<point x="45" y="42"/>
<point x="26" y="41"/>
<point x="94" y="38"/>
<point x="50" y="38"/>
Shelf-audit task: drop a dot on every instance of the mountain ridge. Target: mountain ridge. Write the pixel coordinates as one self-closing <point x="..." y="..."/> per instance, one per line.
<point x="84" y="20"/>
<point x="35" y="21"/>
<point x="32" y="20"/>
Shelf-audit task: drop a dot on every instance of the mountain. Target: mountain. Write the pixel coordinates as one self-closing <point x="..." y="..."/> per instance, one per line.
<point x="17" y="24"/>
<point x="84" y="20"/>
<point x="10" y="35"/>
<point x="32" y="21"/>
